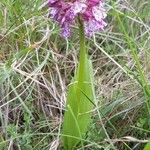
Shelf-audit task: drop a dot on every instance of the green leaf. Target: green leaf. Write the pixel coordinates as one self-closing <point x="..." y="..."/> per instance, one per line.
<point x="147" y="147"/>
<point x="80" y="102"/>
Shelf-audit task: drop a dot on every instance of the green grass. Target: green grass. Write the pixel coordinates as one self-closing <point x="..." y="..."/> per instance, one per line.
<point x="37" y="65"/>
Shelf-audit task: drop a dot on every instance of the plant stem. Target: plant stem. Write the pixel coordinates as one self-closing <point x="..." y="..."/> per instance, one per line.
<point x="82" y="61"/>
<point x="83" y="53"/>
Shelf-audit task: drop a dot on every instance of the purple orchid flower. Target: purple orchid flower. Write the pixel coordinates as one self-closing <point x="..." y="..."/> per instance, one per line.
<point x="92" y="13"/>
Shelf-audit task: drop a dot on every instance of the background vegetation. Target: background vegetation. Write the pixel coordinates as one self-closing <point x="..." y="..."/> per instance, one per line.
<point x="36" y="66"/>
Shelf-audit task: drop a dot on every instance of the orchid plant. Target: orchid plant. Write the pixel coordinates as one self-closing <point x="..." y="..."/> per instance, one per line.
<point x="89" y="15"/>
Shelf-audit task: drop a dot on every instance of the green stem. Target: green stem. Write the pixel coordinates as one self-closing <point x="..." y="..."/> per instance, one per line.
<point x="83" y="53"/>
<point x="82" y="61"/>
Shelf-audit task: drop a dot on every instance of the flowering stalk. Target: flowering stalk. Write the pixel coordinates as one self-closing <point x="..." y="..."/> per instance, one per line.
<point x="80" y="98"/>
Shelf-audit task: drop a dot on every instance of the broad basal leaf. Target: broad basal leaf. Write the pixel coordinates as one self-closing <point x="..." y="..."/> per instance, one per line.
<point x="80" y="102"/>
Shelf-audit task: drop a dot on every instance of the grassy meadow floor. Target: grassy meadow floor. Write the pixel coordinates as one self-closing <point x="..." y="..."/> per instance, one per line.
<point x="36" y="66"/>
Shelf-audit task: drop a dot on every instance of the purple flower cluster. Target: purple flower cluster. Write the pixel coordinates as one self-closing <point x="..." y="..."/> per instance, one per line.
<point x="91" y="11"/>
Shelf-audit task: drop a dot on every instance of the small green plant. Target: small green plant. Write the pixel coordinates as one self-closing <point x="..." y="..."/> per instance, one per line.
<point x="80" y="100"/>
